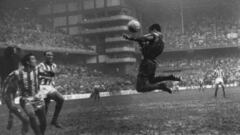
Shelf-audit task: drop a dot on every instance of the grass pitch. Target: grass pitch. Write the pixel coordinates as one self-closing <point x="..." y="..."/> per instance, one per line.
<point x="185" y="113"/>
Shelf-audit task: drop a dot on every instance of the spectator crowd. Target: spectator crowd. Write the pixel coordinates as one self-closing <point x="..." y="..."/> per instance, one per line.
<point x="73" y="79"/>
<point x="22" y="26"/>
<point x="193" y="69"/>
<point x="202" y="32"/>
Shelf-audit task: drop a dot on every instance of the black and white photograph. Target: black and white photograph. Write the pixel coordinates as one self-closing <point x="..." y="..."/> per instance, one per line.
<point x="119" y="67"/>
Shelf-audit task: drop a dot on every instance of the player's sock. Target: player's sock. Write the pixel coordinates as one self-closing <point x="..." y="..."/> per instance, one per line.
<point x="224" y="94"/>
<point x="10" y="122"/>
<point x="25" y="127"/>
<point x="216" y="91"/>
<point x="58" y="108"/>
<point x="164" y="87"/>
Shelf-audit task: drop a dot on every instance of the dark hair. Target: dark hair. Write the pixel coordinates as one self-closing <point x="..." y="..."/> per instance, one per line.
<point x="155" y="27"/>
<point x="45" y="53"/>
<point x="26" y="59"/>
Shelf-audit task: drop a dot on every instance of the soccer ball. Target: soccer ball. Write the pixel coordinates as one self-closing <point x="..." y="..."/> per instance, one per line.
<point x="134" y="26"/>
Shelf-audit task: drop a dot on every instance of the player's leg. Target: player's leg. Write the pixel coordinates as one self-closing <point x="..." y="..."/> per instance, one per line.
<point x="47" y="102"/>
<point x="29" y="110"/>
<point x="164" y="78"/>
<point x="150" y="68"/>
<point x="42" y="119"/>
<point x="216" y="89"/>
<point x="223" y="89"/>
<point x="10" y="120"/>
<point x="203" y="88"/>
<point x="58" y="98"/>
<point x="157" y="49"/>
<point x="145" y="78"/>
<point x="153" y="81"/>
<point x="143" y="85"/>
<point x="98" y="96"/>
<point x="177" y="89"/>
<point x="91" y="96"/>
<point x="9" y="102"/>
<point x="95" y="95"/>
<point x="14" y="110"/>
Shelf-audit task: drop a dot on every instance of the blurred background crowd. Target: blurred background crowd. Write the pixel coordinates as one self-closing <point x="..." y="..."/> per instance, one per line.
<point x="201" y="30"/>
<point x="24" y="28"/>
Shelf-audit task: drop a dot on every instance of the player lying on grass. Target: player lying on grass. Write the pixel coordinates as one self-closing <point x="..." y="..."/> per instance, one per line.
<point x="31" y="100"/>
<point x="152" y="46"/>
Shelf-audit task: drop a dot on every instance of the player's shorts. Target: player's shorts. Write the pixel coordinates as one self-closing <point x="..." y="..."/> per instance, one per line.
<point x="147" y="68"/>
<point x="219" y="80"/>
<point x="35" y="102"/>
<point x="45" y="90"/>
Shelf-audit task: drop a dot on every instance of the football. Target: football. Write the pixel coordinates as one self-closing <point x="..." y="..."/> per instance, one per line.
<point x="134" y="26"/>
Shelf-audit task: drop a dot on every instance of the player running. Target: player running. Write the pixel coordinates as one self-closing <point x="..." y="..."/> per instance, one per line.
<point x="47" y="71"/>
<point x="31" y="100"/>
<point x="218" y="72"/>
<point x="152" y="46"/>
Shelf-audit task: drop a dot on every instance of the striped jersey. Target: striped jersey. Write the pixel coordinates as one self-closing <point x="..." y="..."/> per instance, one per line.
<point x="27" y="82"/>
<point x="219" y="73"/>
<point x="44" y="69"/>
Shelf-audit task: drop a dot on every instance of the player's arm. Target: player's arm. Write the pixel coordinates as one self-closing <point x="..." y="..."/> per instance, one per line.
<point x="144" y="38"/>
<point x="56" y="70"/>
<point x="6" y="92"/>
<point x="9" y="93"/>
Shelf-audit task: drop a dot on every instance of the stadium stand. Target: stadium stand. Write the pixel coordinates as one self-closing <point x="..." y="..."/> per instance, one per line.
<point x="75" y="79"/>
<point x="202" y="33"/>
<point x="22" y="27"/>
<point x="193" y="69"/>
